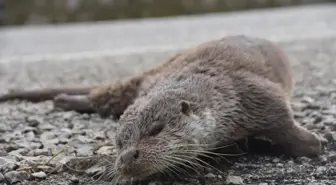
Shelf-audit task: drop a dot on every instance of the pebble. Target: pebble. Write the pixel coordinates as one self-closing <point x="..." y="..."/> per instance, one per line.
<point x="332" y="157"/>
<point x="19" y="152"/>
<point x="7" y="165"/>
<point x="94" y="170"/>
<point x="331" y="136"/>
<point x="313" y="183"/>
<point x="276" y="160"/>
<point x="234" y="180"/>
<point x="11" y="147"/>
<point x="15" y="176"/>
<point x="210" y="176"/>
<point x="45" y="168"/>
<point x="2" y="178"/>
<point x="46" y="127"/>
<point x="106" y="150"/>
<point x="320" y="170"/>
<point x="39" y="152"/>
<point x="29" y="136"/>
<point x="74" y="179"/>
<point x="279" y="165"/>
<point x="263" y="183"/>
<point x="68" y="115"/>
<point x="33" y="121"/>
<point x="40" y="175"/>
<point x="304" y="159"/>
<point x="318" y="119"/>
<point x="307" y="99"/>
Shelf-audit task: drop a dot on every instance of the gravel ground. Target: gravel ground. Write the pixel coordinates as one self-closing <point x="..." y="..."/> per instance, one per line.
<point x="32" y="133"/>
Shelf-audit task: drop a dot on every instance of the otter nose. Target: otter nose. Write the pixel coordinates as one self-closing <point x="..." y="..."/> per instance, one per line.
<point x="129" y="156"/>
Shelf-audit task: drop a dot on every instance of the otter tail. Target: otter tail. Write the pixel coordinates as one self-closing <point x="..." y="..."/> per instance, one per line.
<point x="45" y="94"/>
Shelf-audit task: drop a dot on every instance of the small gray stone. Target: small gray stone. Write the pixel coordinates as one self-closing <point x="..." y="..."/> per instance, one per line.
<point x="94" y="170"/>
<point x="279" y="165"/>
<point x="69" y="115"/>
<point x="313" y="183"/>
<point x="33" y="121"/>
<point x="307" y="100"/>
<point x="29" y="136"/>
<point x="38" y="152"/>
<point x="2" y="178"/>
<point x="74" y="179"/>
<point x="332" y="158"/>
<point x="16" y="176"/>
<point x="40" y="175"/>
<point x="210" y="176"/>
<point x="264" y="183"/>
<point x="106" y="150"/>
<point x="46" y="127"/>
<point x="331" y="136"/>
<point x="320" y="170"/>
<point x="276" y="160"/>
<point x="7" y="165"/>
<point x="234" y="180"/>
<point x="45" y="168"/>
<point x="304" y="159"/>
<point x="29" y="129"/>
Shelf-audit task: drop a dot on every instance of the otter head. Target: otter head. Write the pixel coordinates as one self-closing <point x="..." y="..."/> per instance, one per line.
<point x="154" y="137"/>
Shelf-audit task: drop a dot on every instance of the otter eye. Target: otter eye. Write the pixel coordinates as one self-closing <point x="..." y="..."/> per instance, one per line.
<point x="156" y="128"/>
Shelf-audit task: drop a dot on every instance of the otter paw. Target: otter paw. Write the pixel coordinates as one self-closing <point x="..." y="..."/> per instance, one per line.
<point x="310" y="145"/>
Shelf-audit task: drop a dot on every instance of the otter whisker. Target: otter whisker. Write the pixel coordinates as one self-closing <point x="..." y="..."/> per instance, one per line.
<point x="167" y="169"/>
<point x="217" y="154"/>
<point x="173" y="163"/>
<point x="184" y="162"/>
<point x="196" y="152"/>
<point x="177" y="161"/>
<point x="110" y="174"/>
<point x="178" y="171"/>
<point x="206" y="155"/>
<point x="116" y="180"/>
<point x="176" y="157"/>
<point x="206" y="164"/>
<point x="201" y="145"/>
<point x="170" y="166"/>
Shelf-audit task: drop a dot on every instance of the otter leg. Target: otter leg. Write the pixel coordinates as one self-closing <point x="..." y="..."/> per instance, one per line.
<point x="78" y="103"/>
<point x="113" y="99"/>
<point x="65" y="98"/>
<point x="38" y="95"/>
<point x="270" y="112"/>
<point x="296" y="140"/>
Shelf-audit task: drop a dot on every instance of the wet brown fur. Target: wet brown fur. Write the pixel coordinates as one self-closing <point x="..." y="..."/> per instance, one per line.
<point x="207" y="96"/>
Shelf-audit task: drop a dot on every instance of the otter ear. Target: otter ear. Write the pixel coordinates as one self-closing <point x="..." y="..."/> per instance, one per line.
<point x="185" y="107"/>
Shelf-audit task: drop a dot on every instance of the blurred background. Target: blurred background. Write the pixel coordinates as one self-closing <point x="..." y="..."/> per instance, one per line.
<point x="28" y="12"/>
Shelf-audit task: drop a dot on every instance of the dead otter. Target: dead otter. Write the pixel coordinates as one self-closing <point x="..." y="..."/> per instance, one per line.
<point x="207" y="96"/>
<point x="226" y="90"/>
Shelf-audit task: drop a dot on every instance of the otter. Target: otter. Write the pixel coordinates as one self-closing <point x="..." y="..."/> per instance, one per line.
<point x="206" y="96"/>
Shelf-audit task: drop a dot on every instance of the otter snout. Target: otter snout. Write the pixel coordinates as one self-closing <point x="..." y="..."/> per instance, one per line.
<point x="129" y="156"/>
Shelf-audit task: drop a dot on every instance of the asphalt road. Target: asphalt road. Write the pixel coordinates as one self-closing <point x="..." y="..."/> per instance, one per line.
<point x="124" y="37"/>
